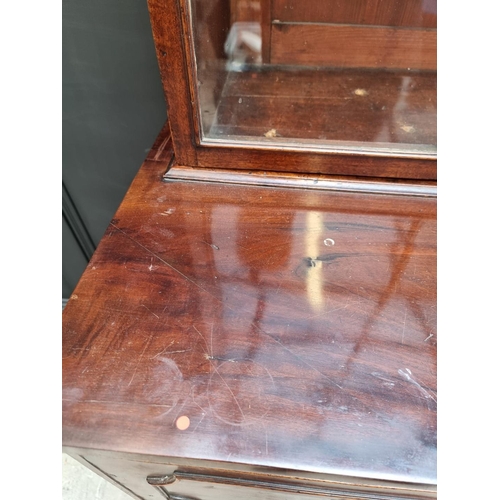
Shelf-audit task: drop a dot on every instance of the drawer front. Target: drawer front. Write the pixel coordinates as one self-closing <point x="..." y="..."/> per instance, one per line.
<point x="199" y="486"/>
<point x="156" y="478"/>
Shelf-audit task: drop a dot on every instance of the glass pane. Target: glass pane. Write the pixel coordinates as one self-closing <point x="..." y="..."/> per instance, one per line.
<point x="338" y="74"/>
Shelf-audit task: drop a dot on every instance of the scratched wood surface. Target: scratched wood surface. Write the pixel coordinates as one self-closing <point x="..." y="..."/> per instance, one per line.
<point x="294" y="329"/>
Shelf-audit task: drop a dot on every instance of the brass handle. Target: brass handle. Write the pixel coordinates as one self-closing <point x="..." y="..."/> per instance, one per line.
<point x="159" y="482"/>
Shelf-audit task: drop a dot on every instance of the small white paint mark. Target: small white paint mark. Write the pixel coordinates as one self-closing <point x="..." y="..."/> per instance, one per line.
<point x="361" y="92"/>
<point x="271" y="133"/>
<point x="431" y="335"/>
<point x="329" y="242"/>
<point x="240" y="100"/>
<point x="182" y="423"/>
<point x="170" y="211"/>
<point x="407" y="128"/>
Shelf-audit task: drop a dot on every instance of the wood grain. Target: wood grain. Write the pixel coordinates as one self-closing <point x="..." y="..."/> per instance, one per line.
<point x="296" y="330"/>
<point x="299" y="162"/>
<point x="395" y="113"/>
<point x="350" y="46"/>
<point x="395" y="108"/>
<point x="161" y="150"/>
<point x="266" y="20"/>
<point x="409" y="13"/>
<point x="177" y="74"/>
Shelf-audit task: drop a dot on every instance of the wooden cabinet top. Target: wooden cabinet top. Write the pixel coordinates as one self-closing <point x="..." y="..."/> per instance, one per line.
<point x="283" y="328"/>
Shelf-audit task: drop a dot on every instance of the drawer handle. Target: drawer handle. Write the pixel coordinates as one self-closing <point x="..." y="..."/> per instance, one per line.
<point x="160" y="481"/>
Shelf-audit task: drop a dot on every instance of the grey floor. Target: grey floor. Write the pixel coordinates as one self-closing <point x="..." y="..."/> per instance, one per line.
<point x="80" y="483"/>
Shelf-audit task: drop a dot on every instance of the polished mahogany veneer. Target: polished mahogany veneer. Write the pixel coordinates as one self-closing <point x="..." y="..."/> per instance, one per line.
<point x="248" y="328"/>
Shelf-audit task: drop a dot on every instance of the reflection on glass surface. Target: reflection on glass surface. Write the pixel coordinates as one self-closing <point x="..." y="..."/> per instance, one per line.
<point x="340" y="74"/>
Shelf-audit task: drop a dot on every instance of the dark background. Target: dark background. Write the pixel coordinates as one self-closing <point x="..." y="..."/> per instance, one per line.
<point x="113" y="108"/>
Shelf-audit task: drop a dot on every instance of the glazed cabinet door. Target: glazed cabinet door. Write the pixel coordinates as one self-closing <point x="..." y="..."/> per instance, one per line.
<point x="332" y="87"/>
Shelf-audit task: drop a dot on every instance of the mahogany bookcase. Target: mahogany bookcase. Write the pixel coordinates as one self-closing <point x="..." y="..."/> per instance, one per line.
<point x="259" y="319"/>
